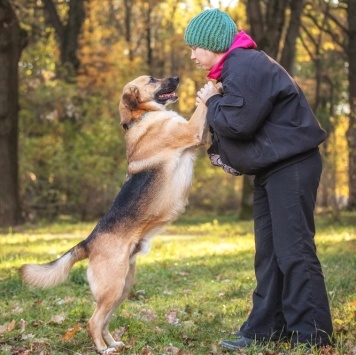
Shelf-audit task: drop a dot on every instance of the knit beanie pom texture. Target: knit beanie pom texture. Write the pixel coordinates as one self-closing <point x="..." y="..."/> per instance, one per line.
<point x="212" y="29"/>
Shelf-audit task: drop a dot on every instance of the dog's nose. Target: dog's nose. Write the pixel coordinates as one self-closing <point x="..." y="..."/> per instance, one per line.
<point x="176" y="79"/>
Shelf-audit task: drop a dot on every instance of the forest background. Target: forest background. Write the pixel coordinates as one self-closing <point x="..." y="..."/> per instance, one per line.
<point x="63" y="64"/>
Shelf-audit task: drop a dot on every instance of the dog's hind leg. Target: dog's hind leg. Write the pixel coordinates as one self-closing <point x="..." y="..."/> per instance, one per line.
<point x="106" y="274"/>
<point x="128" y="284"/>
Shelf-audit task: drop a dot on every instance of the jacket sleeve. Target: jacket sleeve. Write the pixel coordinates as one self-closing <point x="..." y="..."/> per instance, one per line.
<point x="246" y="102"/>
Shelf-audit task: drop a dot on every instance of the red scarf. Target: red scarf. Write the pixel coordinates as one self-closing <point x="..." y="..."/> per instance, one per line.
<point x="241" y="40"/>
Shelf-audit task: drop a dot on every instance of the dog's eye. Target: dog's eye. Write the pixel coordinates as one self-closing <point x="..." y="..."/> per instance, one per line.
<point x="152" y="80"/>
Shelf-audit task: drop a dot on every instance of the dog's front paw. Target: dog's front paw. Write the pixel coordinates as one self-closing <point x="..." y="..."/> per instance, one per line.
<point x="114" y="346"/>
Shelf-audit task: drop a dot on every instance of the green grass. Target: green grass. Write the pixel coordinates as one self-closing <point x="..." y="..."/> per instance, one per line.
<point x="192" y="290"/>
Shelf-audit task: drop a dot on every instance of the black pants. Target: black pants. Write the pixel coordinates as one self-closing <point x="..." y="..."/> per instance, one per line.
<point x="290" y="298"/>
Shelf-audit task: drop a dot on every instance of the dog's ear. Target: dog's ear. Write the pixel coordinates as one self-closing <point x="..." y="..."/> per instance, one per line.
<point x="128" y="103"/>
<point x="129" y="97"/>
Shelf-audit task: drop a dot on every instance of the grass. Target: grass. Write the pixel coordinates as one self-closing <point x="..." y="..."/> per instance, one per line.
<point x="192" y="290"/>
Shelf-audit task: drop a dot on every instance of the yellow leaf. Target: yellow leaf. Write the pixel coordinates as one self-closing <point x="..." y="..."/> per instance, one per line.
<point x="69" y="334"/>
<point x="338" y="321"/>
<point x="11" y="326"/>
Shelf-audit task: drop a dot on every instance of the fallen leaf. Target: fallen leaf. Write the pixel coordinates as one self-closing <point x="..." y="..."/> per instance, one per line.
<point x="214" y="350"/>
<point x="171" y="317"/>
<point x="23" y="324"/>
<point x="36" y="323"/>
<point x="140" y="294"/>
<point x="57" y="319"/>
<point x="69" y="334"/>
<point x="19" y="350"/>
<point x="188" y="340"/>
<point x="183" y="273"/>
<point x="188" y="324"/>
<point x="181" y="352"/>
<point x="17" y="309"/>
<point x="11" y="326"/>
<point x="219" y="277"/>
<point x="148" y="315"/>
<point x="40" y="347"/>
<point x="125" y="313"/>
<point x="327" y="350"/>
<point x="146" y="350"/>
<point x="3" y="328"/>
<point x="170" y="349"/>
<point x="68" y="299"/>
<point x="27" y="336"/>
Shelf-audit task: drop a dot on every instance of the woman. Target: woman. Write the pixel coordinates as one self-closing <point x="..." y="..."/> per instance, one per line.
<point x="262" y="125"/>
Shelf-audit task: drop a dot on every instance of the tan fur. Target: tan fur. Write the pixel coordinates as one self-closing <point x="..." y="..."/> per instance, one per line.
<point x="160" y="149"/>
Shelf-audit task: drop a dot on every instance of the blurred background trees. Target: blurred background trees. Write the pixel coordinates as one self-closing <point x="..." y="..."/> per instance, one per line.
<point x="80" y="53"/>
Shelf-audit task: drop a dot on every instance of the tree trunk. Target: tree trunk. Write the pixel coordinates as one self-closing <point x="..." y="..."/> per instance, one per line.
<point x="266" y="19"/>
<point x="288" y="51"/>
<point x="68" y="34"/>
<point x="10" y="51"/>
<point x="149" y="37"/>
<point x="128" y="19"/>
<point x="351" y="133"/>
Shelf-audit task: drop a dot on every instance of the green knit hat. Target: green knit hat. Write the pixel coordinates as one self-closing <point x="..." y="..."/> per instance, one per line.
<point x="212" y="29"/>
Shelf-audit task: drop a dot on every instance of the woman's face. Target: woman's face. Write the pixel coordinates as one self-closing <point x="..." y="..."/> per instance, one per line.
<point x="205" y="59"/>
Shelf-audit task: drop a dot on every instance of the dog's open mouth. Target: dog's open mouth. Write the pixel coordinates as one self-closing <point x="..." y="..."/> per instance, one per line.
<point x="164" y="95"/>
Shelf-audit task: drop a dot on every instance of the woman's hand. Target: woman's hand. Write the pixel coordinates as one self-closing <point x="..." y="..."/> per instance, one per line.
<point x="206" y="92"/>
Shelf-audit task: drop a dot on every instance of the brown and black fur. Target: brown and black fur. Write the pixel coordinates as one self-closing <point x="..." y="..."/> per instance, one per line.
<point x="160" y="149"/>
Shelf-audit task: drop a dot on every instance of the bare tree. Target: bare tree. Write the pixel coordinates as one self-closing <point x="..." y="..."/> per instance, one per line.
<point x="345" y="37"/>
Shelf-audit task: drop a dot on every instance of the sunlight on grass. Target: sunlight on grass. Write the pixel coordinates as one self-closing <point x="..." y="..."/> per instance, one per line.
<point x="192" y="290"/>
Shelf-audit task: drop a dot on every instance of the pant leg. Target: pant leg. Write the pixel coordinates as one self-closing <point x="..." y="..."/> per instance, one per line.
<point x="284" y="232"/>
<point x="266" y="320"/>
<point x="292" y="194"/>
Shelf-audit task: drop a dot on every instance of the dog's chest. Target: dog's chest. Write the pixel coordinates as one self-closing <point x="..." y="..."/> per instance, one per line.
<point x="182" y="175"/>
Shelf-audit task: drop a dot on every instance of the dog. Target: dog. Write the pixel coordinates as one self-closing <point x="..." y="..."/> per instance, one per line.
<point x="160" y="150"/>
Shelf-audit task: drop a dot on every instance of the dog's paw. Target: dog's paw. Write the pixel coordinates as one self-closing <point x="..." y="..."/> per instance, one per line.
<point x="109" y="351"/>
<point x="113" y="348"/>
<point x="117" y="344"/>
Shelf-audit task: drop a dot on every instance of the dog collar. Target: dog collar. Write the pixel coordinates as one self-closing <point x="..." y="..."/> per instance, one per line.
<point x="126" y="127"/>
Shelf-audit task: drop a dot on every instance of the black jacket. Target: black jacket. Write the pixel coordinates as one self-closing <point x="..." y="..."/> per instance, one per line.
<point x="263" y="118"/>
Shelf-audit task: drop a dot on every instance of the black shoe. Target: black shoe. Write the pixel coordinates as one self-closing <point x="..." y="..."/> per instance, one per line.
<point x="242" y="342"/>
<point x="239" y="334"/>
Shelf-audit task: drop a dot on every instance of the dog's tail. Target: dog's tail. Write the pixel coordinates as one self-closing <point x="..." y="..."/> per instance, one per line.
<point x="54" y="272"/>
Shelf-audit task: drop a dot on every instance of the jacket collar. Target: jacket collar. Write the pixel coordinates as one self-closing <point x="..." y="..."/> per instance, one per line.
<point x="241" y="40"/>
